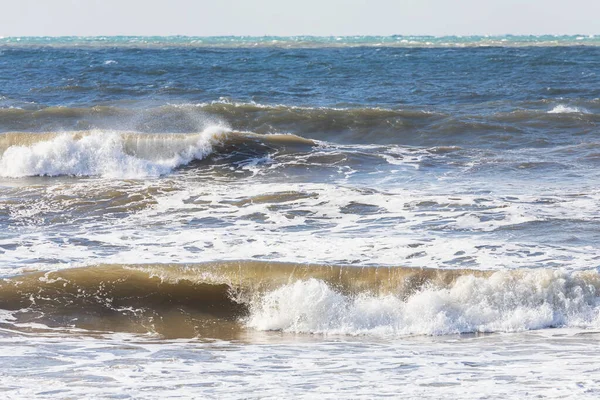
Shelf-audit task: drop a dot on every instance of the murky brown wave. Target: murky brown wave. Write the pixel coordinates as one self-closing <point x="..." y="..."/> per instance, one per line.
<point x="187" y="300"/>
<point x="213" y="299"/>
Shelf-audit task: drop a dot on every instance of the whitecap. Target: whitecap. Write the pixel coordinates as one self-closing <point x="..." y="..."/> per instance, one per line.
<point x="503" y="302"/>
<point x="562" y="109"/>
<point x="107" y="154"/>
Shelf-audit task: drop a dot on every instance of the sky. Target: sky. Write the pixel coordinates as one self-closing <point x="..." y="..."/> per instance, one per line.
<point x="298" y="17"/>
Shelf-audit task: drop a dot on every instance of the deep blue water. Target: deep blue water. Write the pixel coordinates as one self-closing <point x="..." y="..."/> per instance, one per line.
<point x="486" y="79"/>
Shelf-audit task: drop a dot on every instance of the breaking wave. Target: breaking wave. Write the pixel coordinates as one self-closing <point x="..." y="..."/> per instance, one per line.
<point x="425" y="126"/>
<point x="207" y="299"/>
<point x="562" y="109"/>
<point x="122" y="154"/>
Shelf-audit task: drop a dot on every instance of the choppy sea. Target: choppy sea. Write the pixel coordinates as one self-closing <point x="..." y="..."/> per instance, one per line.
<point x="307" y="217"/>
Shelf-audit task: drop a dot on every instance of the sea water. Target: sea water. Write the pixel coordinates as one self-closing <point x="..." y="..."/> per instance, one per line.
<point x="275" y="217"/>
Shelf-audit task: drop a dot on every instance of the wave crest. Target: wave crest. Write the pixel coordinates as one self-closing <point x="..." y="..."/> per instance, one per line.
<point x="502" y="302"/>
<point x="562" y="109"/>
<point x="121" y="154"/>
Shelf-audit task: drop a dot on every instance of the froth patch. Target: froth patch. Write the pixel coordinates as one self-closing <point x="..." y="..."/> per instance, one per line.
<point x="562" y="109"/>
<point x="106" y="154"/>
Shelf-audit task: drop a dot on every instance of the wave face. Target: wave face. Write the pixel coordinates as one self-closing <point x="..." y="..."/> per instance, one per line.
<point x="223" y="297"/>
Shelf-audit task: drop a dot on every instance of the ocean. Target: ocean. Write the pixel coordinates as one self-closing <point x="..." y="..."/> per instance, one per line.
<point x="304" y="217"/>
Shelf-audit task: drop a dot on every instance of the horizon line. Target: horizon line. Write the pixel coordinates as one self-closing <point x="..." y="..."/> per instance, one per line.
<point x="307" y="35"/>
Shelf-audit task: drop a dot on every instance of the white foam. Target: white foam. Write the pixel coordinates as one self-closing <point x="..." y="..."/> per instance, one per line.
<point x="504" y="302"/>
<point x="515" y="366"/>
<point x="562" y="109"/>
<point x="411" y="228"/>
<point x="106" y="154"/>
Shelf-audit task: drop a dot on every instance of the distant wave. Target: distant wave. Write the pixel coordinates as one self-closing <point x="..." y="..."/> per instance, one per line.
<point x="303" y="41"/>
<point x="307" y="298"/>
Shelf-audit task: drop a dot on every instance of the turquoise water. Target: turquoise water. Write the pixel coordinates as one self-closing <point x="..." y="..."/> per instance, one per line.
<point x="309" y="41"/>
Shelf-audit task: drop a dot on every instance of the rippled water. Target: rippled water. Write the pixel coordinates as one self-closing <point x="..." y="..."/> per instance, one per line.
<point x="326" y="217"/>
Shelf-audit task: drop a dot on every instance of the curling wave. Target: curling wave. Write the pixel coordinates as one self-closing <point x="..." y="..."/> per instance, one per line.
<point x="220" y="297"/>
<point x="123" y="154"/>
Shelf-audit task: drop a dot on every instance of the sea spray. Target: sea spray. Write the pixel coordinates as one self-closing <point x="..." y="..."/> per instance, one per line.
<point x="503" y="302"/>
<point x="107" y="154"/>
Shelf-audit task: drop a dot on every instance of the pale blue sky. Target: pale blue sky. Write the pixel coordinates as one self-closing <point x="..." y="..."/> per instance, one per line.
<point x="300" y="17"/>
